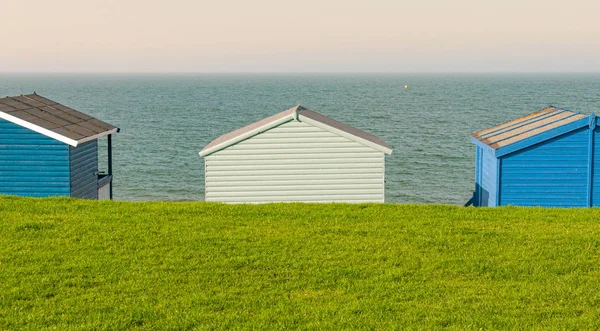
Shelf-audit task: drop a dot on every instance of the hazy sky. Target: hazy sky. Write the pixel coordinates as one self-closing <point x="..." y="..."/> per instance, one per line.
<point x="300" y="36"/>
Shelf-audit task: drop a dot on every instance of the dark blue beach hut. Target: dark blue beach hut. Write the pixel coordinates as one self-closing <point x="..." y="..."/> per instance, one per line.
<point x="47" y="149"/>
<point x="549" y="158"/>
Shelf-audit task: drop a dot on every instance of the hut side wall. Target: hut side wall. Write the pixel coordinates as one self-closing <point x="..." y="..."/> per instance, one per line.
<point x="553" y="173"/>
<point x="596" y="168"/>
<point x="84" y="169"/>
<point x="478" y="188"/>
<point x="32" y="164"/>
<point x="486" y="191"/>
<point x="295" y="162"/>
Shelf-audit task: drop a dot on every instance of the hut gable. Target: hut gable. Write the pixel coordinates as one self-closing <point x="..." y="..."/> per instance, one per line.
<point x="297" y="113"/>
<point x="546" y="158"/>
<point x="303" y="158"/>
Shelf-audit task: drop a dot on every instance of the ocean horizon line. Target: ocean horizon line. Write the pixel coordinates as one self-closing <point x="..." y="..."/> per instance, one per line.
<point x="274" y="73"/>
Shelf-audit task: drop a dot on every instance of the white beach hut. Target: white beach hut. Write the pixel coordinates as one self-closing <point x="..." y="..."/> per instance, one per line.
<point x="295" y="155"/>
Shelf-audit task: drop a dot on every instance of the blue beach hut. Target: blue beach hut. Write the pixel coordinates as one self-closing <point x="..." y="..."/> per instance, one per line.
<point x="549" y="158"/>
<point x="47" y="149"/>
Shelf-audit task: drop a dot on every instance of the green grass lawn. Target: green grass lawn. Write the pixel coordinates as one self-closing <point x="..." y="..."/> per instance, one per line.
<point x="72" y="264"/>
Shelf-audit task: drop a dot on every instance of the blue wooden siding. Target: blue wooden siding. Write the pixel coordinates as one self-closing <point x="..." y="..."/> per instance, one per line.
<point x="32" y="164"/>
<point x="84" y="170"/>
<point x="596" y="168"/>
<point x="489" y="173"/>
<point x="477" y="194"/>
<point x="550" y="174"/>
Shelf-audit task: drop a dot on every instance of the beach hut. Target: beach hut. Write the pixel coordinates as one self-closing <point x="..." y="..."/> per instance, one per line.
<point x="549" y="158"/>
<point x="295" y="155"/>
<point x="47" y="149"/>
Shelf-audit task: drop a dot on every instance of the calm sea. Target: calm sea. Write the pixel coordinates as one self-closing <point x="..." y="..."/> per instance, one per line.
<point x="166" y="120"/>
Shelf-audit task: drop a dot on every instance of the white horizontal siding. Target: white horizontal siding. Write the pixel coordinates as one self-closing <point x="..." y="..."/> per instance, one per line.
<point x="318" y="165"/>
<point x="283" y="181"/>
<point x="320" y="199"/>
<point x="305" y="149"/>
<point x="295" y="162"/>
<point x="287" y="177"/>
<point x="293" y="155"/>
<point x="290" y="161"/>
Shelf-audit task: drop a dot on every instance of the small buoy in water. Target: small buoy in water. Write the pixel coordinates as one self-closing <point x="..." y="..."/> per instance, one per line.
<point x="405" y="86"/>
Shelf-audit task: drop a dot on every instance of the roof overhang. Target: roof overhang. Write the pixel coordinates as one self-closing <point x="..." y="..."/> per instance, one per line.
<point x="97" y="136"/>
<point x="51" y="134"/>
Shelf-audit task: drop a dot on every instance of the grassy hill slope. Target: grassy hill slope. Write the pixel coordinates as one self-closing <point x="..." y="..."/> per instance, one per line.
<point x="68" y="263"/>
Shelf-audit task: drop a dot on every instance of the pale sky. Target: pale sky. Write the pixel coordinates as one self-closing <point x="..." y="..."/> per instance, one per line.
<point x="300" y="36"/>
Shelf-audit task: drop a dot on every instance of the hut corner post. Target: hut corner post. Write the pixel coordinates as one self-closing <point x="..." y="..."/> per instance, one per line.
<point x="110" y="165"/>
<point x="591" y="156"/>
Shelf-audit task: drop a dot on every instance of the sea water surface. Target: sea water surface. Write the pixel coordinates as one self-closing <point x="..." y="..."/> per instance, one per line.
<point x="167" y="119"/>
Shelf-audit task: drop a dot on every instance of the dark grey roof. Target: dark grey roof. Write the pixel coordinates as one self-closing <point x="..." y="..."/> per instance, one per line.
<point x="54" y="117"/>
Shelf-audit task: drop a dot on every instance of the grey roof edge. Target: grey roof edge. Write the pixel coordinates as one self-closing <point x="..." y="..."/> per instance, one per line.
<point x="294" y="113"/>
<point x="353" y="133"/>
